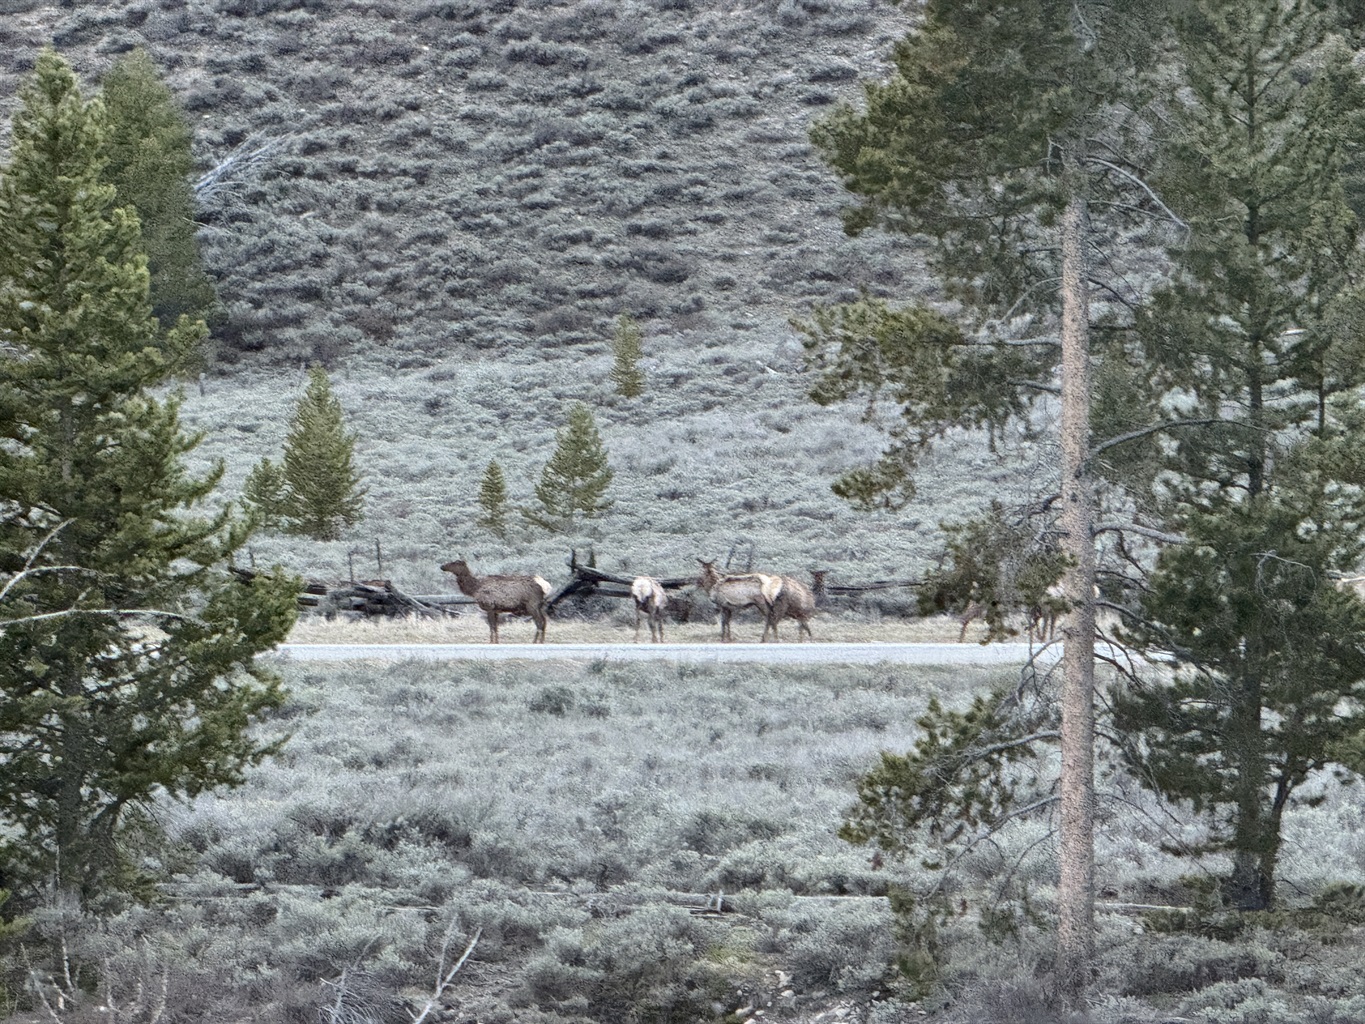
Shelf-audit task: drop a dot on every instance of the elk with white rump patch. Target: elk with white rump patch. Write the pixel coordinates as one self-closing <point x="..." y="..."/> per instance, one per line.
<point x="520" y="595"/>
<point x="650" y="599"/>
<point x="731" y="593"/>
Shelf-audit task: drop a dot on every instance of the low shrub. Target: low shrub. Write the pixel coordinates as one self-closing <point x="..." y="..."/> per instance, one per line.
<point x="553" y="700"/>
<point x="650" y="964"/>
<point x="844" y="945"/>
<point x="714" y="832"/>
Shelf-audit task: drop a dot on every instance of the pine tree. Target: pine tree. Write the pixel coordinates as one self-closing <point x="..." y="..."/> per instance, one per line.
<point x="264" y="493"/>
<point x="1248" y="342"/>
<point x="322" y="486"/>
<point x="99" y="536"/>
<point x="150" y="163"/>
<point x="493" y="500"/>
<point x="625" y="345"/>
<point x="575" y="479"/>
<point x="994" y="136"/>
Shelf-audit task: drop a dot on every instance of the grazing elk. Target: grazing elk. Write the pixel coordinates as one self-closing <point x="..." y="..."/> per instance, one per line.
<point x="519" y="595"/>
<point x="794" y="600"/>
<point x="650" y="598"/>
<point x="731" y="593"/>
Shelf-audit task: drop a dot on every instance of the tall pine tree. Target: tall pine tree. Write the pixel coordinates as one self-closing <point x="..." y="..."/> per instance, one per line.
<point x="150" y="162"/>
<point x="1001" y="134"/>
<point x="1247" y="344"/>
<point x="126" y="652"/>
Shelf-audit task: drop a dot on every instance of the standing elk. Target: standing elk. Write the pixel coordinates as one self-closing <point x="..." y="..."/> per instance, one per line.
<point x="519" y="595"/>
<point x="650" y="599"/>
<point x="731" y="593"/>
<point x="794" y="600"/>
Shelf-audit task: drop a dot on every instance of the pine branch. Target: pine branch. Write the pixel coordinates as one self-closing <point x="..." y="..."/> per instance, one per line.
<point x="1134" y="435"/>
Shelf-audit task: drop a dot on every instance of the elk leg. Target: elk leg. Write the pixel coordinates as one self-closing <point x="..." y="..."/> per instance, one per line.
<point x="492" y="627"/>
<point x="974" y="612"/>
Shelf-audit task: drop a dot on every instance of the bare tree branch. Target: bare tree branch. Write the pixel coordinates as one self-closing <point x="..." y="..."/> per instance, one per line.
<point x="122" y="613"/>
<point x="442" y="983"/>
<point x="237" y="166"/>
<point x="28" y="569"/>
<point x="1142" y="185"/>
<point x="1142" y="531"/>
<point x="1133" y="435"/>
<point x="1037" y="385"/>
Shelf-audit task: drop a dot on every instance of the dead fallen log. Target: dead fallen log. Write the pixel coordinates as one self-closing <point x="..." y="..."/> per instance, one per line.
<point x="315" y="588"/>
<point x="366" y="597"/>
<point x="859" y="588"/>
<point x="377" y="598"/>
<point x="589" y="581"/>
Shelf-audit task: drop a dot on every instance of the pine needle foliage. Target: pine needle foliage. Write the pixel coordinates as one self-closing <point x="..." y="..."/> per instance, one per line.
<point x="575" y="480"/>
<point x="126" y="652"/>
<point x="263" y="495"/>
<point x="994" y="564"/>
<point x="967" y="778"/>
<point x="493" y="500"/>
<point x="323" y="492"/>
<point x="150" y="162"/>
<point x="626" y="346"/>
<point x="1254" y="344"/>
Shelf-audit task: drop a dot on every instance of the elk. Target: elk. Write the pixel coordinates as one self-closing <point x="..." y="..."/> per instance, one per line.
<point x="730" y="593"/>
<point x="519" y="595"/>
<point x="650" y="599"/>
<point x="794" y="600"/>
<point x="1046" y="611"/>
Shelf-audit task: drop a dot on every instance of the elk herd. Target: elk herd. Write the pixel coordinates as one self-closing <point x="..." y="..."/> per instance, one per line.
<point x="774" y="597"/>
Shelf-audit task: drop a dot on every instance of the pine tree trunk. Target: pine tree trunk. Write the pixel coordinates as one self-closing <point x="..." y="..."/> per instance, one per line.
<point x="1076" y="897"/>
<point x="1251" y="885"/>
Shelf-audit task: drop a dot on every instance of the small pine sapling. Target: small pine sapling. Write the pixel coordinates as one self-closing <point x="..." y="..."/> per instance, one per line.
<point x="323" y="493"/>
<point x="493" y="500"/>
<point x="626" y="346"/>
<point x="263" y="495"/>
<point x="575" y="479"/>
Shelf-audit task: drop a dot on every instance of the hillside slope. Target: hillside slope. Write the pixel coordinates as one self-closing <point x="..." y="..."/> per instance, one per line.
<point x="462" y="197"/>
<point x="497" y="173"/>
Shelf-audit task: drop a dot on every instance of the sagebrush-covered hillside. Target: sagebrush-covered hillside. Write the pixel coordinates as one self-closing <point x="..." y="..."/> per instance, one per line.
<point x="498" y="173"/>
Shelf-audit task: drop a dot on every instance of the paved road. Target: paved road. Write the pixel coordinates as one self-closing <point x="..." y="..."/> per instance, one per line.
<point x="808" y="653"/>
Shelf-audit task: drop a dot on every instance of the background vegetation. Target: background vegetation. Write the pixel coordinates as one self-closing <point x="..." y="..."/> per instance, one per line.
<point x="550" y="805"/>
<point x="463" y="200"/>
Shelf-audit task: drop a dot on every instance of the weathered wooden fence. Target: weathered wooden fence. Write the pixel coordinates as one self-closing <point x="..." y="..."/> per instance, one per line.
<point x="379" y="597"/>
